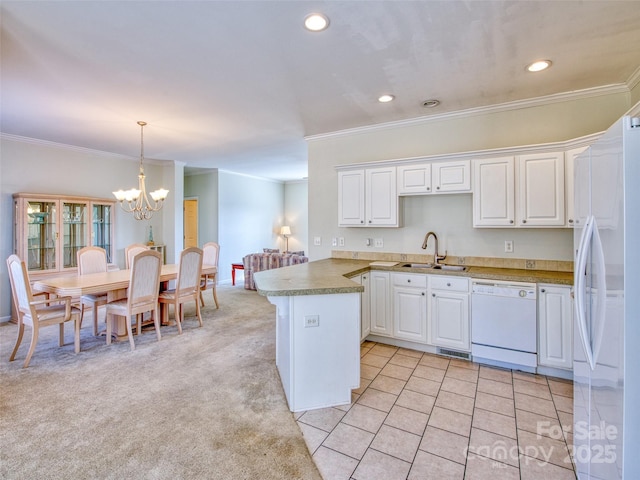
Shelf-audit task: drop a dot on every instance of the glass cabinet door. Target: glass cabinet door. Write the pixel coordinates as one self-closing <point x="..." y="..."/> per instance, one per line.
<point x="42" y="235"/>
<point x="102" y="231"/>
<point x="74" y="221"/>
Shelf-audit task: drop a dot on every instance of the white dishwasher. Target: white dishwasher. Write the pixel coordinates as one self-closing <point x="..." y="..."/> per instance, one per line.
<point x="503" y="323"/>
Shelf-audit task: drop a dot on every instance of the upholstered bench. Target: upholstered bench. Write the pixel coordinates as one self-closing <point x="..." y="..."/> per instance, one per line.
<point x="257" y="262"/>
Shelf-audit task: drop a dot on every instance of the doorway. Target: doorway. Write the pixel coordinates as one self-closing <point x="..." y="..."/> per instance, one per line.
<point x="190" y="223"/>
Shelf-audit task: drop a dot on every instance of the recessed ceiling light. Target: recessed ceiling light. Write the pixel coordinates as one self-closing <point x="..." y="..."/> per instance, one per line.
<point x="316" y="22"/>
<point x="538" y="65"/>
<point x="385" y="98"/>
<point x="431" y="103"/>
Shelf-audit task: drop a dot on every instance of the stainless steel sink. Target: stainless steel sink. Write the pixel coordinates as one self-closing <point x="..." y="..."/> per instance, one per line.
<point x="431" y="266"/>
<point x="452" y="268"/>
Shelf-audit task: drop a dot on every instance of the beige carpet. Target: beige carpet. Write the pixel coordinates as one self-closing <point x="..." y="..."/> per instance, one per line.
<point x="207" y="404"/>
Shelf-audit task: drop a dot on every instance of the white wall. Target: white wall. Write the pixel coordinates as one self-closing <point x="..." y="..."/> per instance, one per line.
<point x="42" y="167"/>
<point x="296" y="214"/>
<point x="450" y="216"/>
<point x="250" y="216"/>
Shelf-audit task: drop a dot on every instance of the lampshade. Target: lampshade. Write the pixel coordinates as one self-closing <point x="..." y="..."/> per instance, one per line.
<point x="285" y="230"/>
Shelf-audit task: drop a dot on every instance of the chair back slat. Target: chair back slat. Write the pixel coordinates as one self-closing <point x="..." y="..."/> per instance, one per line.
<point x="91" y="260"/>
<point x="188" y="281"/>
<point x="131" y="251"/>
<point x="20" y="286"/>
<point x="144" y="282"/>
<point x="210" y="253"/>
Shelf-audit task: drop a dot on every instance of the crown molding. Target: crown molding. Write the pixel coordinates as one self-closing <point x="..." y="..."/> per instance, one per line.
<point x="634" y="79"/>
<point x="83" y="150"/>
<point x="502" y="107"/>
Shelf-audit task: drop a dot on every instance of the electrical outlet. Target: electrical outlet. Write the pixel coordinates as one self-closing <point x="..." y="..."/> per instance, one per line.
<point x="530" y="264"/>
<point x="378" y="243"/>
<point x="317" y="241"/>
<point x="311" y="321"/>
<point x="334" y="242"/>
<point x="341" y="241"/>
<point x="508" y="246"/>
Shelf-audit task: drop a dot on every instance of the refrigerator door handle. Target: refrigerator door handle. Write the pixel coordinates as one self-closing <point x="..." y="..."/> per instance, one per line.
<point x="601" y="293"/>
<point x="581" y="289"/>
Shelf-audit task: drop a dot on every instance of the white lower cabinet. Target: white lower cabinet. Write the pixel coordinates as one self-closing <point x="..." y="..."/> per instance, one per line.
<point x="365" y="305"/>
<point x="410" y="307"/>
<point x="555" y="322"/>
<point x="449" y="317"/>
<point x="380" y="296"/>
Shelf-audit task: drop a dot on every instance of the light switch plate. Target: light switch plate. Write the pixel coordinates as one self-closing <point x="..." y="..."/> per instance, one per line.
<point x="341" y="241"/>
<point x="317" y="241"/>
<point x="378" y="243"/>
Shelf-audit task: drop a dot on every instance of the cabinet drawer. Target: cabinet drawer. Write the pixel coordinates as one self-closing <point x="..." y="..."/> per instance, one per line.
<point x="451" y="284"/>
<point x="410" y="279"/>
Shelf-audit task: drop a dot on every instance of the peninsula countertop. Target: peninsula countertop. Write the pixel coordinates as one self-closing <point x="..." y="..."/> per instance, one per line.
<point x="329" y="276"/>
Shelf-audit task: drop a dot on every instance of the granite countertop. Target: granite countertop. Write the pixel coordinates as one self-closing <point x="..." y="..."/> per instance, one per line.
<point x="330" y="276"/>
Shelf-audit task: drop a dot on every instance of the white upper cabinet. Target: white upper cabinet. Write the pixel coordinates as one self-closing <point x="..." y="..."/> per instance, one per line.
<point x="573" y="216"/>
<point x="523" y="191"/>
<point x="414" y="179"/>
<point x="493" y="196"/>
<point x="452" y="177"/>
<point x="435" y="177"/>
<point x="541" y="190"/>
<point x="368" y="198"/>
<point x="351" y="198"/>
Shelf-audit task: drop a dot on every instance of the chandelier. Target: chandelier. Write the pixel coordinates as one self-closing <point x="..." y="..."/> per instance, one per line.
<point x="136" y="200"/>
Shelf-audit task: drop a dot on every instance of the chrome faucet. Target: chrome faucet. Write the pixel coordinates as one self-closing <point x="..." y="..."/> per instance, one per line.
<point x="436" y="257"/>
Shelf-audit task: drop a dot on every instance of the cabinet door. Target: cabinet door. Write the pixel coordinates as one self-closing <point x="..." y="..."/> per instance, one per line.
<point x="351" y="198"/>
<point x="365" y="306"/>
<point x="410" y="314"/>
<point x="38" y="245"/>
<point x="102" y="228"/>
<point x="569" y="186"/>
<point x="541" y="190"/>
<point x="75" y="231"/>
<point x="493" y="195"/>
<point x="380" y="303"/>
<point x="414" y="179"/>
<point x="555" y="326"/>
<point x="450" y="320"/>
<point x="381" y="199"/>
<point x="449" y="177"/>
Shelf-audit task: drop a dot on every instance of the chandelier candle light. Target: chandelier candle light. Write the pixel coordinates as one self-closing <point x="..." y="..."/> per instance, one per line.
<point x="137" y="200"/>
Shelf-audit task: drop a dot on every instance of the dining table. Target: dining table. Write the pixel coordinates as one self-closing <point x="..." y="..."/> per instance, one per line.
<point x="113" y="282"/>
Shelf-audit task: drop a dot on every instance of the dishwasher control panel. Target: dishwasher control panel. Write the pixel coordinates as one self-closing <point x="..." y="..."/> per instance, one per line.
<point x="504" y="289"/>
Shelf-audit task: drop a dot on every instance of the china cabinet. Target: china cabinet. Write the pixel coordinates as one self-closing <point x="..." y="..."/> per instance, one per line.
<point x="50" y="229"/>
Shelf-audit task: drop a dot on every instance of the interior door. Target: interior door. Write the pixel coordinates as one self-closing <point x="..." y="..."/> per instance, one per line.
<point x="190" y="223"/>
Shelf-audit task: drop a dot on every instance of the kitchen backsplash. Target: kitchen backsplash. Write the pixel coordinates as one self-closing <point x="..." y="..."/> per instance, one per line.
<point x="517" y="263"/>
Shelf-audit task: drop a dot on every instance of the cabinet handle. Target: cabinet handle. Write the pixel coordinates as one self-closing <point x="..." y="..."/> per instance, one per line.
<point x="448" y="284"/>
<point x="428" y="188"/>
<point x="433" y="295"/>
<point x="524" y="221"/>
<point x="542" y="290"/>
<point x="422" y="294"/>
<point x="510" y="221"/>
<point x="408" y="280"/>
<point x="571" y="220"/>
<point x="361" y="221"/>
<point x="438" y="188"/>
<point x="369" y="221"/>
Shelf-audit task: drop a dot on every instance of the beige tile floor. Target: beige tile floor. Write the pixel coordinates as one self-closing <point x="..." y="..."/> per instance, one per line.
<point x="422" y="416"/>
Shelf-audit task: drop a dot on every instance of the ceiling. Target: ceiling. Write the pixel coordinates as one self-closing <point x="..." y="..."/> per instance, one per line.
<point x="237" y="85"/>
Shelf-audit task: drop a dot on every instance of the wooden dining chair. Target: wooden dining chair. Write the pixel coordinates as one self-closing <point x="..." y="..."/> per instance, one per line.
<point x="187" y="287"/>
<point x="38" y="313"/>
<point x="92" y="260"/>
<point x="131" y="251"/>
<point x="142" y="295"/>
<point x="210" y="256"/>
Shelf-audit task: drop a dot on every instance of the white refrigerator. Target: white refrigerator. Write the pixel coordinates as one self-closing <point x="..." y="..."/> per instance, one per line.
<point x="606" y="366"/>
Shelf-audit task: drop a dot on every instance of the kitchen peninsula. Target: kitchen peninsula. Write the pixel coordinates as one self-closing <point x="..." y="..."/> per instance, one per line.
<point x="318" y="322"/>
